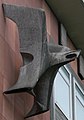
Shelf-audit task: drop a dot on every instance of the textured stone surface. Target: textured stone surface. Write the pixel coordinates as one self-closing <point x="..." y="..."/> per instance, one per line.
<point x="9" y="64"/>
<point x="10" y="42"/>
<point x="31" y="37"/>
<point x="41" y="61"/>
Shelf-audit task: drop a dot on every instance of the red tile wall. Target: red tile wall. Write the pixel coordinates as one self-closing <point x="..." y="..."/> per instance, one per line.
<point x="51" y="23"/>
<point x="14" y="107"/>
<point x="74" y="63"/>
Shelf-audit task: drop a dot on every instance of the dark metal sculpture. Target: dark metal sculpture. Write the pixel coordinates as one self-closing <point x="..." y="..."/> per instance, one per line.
<point x="41" y="61"/>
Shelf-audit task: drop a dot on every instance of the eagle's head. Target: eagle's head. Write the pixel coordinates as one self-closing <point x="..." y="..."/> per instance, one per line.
<point x="61" y="55"/>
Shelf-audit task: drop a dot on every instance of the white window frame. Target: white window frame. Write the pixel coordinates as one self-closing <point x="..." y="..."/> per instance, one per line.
<point x="75" y="83"/>
<point x="70" y="94"/>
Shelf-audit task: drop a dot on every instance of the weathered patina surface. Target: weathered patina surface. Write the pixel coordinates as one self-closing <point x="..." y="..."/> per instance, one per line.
<point x="41" y="61"/>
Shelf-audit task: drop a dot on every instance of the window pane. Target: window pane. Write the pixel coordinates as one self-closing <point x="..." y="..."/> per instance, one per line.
<point x="80" y="95"/>
<point x="79" y="104"/>
<point x="62" y="93"/>
<point x="65" y="74"/>
<point x="79" y="110"/>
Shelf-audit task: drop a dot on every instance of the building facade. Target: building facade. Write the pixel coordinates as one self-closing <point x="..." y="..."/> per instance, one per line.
<point x="67" y="101"/>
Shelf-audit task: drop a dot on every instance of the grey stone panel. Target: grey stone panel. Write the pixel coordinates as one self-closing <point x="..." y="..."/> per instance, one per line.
<point x="32" y="34"/>
<point x="41" y="61"/>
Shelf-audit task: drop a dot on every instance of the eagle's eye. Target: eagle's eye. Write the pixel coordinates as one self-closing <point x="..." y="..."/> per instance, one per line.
<point x="72" y="55"/>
